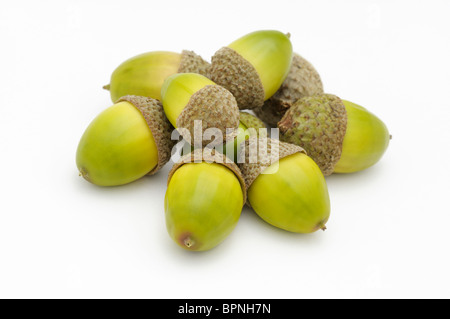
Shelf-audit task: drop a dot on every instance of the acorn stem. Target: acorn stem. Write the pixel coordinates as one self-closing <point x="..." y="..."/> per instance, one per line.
<point x="322" y="226"/>
<point x="106" y="87"/>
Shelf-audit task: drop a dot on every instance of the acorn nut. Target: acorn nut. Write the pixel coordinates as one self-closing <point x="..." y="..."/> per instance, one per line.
<point x="143" y="75"/>
<point x="285" y="187"/>
<point x="253" y="67"/>
<point x="302" y="80"/>
<point x="340" y="136"/>
<point x="204" y="199"/>
<point x="204" y="113"/>
<point x="125" y="142"/>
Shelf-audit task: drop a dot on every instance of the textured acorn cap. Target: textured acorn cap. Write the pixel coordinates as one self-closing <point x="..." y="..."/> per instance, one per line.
<point x="318" y="124"/>
<point x="210" y="156"/>
<point x="230" y="70"/>
<point x="251" y="121"/>
<point x="158" y="123"/>
<point x="216" y="107"/>
<point x="259" y="153"/>
<point x="302" y="80"/>
<point x="193" y="63"/>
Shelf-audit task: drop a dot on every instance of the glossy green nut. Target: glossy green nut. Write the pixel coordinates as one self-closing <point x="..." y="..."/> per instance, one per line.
<point x="291" y="192"/>
<point x="340" y="136"/>
<point x="253" y="67"/>
<point x="125" y="142"/>
<point x="195" y="103"/>
<point x="143" y="75"/>
<point x="365" y="141"/>
<point x="203" y="201"/>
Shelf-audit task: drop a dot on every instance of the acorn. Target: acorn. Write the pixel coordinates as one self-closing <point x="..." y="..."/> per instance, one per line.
<point x="285" y="187"/>
<point x="143" y="75"/>
<point x="249" y="125"/>
<point x="253" y="67"/>
<point x="206" y="112"/>
<point x="204" y="199"/>
<point x="125" y="142"/>
<point x="302" y="80"/>
<point x="340" y="136"/>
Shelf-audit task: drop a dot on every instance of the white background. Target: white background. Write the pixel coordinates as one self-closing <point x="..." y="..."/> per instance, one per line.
<point x="61" y="237"/>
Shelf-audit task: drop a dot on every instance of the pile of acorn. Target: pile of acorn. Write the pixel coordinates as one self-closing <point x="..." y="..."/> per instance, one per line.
<point x="230" y="160"/>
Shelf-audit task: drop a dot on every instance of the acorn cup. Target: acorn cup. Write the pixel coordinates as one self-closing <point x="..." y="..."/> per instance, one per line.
<point x="284" y="186"/>
<point x="340" y="136"/>
<point x="143" y="75"/>
<point x="204" y="199"/>
<point x="302" y="80"/>
<point x="253" y="67"/>
<point x="125" y="142"/>
<point x="203" y="112"/>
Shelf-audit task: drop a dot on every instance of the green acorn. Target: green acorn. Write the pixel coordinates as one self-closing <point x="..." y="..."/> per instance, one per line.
<point x="204" y="200"/>
<point x="340" y="136"/>
<point x="253" y="67"/>
<point x="125" y="142"/>
<point x="191" y="97"/>
<point x="285" y="187"/>
<point x="302" y="80"/>
<point x="143" y="75"/>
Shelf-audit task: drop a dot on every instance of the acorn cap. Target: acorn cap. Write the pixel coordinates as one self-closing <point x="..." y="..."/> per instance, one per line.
<point x="210" y="156"/>
<point x="160" y="127"/>
<point x="251" y="121"/>
<point x="230" y="70"/>
<point x="193" y="63"/>
<point x="259" y="153"/>
<point x="302" y="80"/>
<point x="318" y="124"/>
<point x="216" y="107"/>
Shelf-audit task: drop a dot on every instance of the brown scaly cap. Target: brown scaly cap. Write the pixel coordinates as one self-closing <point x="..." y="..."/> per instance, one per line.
<point x="159" y="125"/>
<point x="318" y="124"/>
<point x="210" y="156"/>
<point x="193" y="63"/>
<point x="259" y="153"/>
<point x="230" y="70"/>
<point x="251" y="121"/>
<point x="216" y="107"/>
<point x="302" y="80"/>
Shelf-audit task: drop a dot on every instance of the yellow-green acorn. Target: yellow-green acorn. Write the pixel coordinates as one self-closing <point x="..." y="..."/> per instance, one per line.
<point x="253" y="67"/>
<point x="125" y="142"/>
<point x="302" y="80"/>
<point x="143" y="75"/>
<point x="340" y="136"/>
<point x="204" y="199"/>
<point x="285" y="187"/>
<point x="191" y="97"/>
<point x="249" y="125"/>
